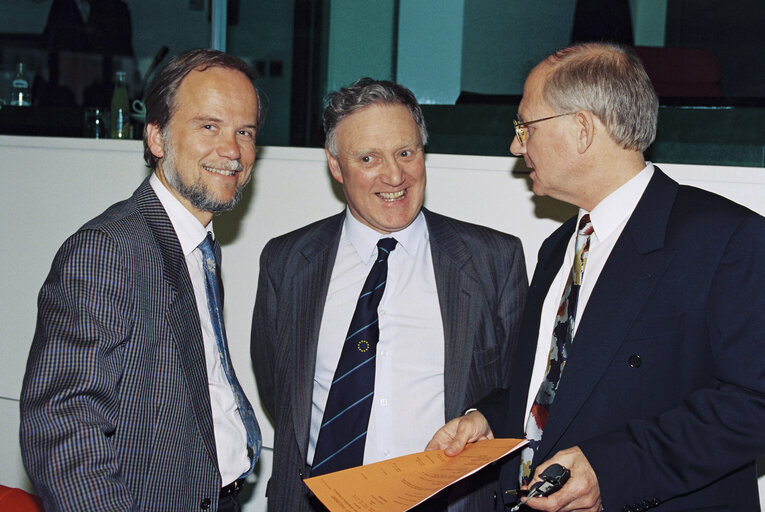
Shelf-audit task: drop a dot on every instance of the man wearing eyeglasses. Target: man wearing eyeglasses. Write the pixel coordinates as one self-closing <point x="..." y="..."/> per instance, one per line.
<point x="641" y="366"/>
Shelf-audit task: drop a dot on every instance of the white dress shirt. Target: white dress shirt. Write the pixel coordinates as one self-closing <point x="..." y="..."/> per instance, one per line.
<point x="408" y="401"/>
<point x="608" y="220"/>
<point x="230" y="434"/>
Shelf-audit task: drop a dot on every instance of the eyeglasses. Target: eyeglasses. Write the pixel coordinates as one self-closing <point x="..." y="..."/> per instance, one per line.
<point x="523" y="133"/>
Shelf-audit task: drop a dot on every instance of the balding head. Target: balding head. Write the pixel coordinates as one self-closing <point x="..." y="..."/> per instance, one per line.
<point x="609" y="81"/>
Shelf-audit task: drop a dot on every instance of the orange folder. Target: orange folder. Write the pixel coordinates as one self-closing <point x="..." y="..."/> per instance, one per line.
<point x="396" y="485"/>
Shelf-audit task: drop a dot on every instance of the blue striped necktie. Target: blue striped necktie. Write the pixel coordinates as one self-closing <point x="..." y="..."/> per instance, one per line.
<point x="211" y="255"/>
<point x="344" y="425"/>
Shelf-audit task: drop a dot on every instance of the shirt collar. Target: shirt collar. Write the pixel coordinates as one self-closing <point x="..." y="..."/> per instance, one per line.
<point x="188" y="229"/>
<point x="364" y="239"/>
<point x="617" y="207"/>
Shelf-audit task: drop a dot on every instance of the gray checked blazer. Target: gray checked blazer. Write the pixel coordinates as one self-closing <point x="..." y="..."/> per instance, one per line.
<point x="115" y="409"/>
<point x="481" y="281"/>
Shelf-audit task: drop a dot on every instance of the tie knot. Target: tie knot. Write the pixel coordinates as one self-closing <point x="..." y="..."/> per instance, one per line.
<point x="585" y="225"/>
<point x="385" y="246"/>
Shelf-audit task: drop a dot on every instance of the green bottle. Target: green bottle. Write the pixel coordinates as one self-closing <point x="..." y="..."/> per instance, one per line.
<point x="120" y="109"/>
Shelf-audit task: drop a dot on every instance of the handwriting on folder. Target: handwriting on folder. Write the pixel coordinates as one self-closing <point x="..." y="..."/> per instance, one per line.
<point x="396" y="485"/>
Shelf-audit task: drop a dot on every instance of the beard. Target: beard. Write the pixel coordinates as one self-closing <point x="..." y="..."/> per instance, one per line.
<point x="197" y="193"/>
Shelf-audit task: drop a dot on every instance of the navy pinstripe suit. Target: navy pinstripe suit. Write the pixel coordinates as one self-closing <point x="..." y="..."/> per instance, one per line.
<point x="115" y="409"/>
<point x="481" y="282"/>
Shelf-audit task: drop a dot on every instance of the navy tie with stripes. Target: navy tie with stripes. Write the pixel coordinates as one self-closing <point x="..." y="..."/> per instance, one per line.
<point x="343" y="432"/>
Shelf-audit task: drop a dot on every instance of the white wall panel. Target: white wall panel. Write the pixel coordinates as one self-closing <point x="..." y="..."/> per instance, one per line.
<point x="52" y="186"/>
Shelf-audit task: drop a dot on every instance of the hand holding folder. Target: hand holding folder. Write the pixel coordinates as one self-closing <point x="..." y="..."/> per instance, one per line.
<point x="396" y="485"/>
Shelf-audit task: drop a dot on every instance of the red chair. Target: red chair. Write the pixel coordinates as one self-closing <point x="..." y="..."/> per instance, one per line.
<point x="18" y="500"/>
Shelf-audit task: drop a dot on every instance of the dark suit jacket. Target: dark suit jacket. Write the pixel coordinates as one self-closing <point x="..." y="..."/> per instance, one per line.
<point x="481" y="281"/>
<point x="115" y="409"/>
<point x="664" y="387"/>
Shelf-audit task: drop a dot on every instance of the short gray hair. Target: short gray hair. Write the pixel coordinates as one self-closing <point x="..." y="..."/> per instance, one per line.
<point x="609" y="81"/>
<point x="363" y="93"/>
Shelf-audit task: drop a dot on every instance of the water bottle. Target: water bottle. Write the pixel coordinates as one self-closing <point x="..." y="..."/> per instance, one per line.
<point x="21" y="94"/>
<point x="120" y="108"/>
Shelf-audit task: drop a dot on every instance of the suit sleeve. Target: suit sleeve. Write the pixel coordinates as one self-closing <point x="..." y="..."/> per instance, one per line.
<point x="512" y="300"/>
<point x="263" y="337"/>
<point x="70" y="394"/>
<point x="718" y="428"/>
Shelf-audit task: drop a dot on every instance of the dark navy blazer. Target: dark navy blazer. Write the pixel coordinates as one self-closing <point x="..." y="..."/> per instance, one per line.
<point x="664" y="388"/>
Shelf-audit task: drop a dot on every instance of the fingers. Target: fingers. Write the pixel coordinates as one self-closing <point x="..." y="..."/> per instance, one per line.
<point x="453" y="436"/>
<point x="581" y="493"/>
<point x="469" y="429"/>
<point x="568" y="499"/>
<point x="442" y="438"/>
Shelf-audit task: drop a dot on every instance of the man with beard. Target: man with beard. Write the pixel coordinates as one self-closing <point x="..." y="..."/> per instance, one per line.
<point x="130" y="401"/>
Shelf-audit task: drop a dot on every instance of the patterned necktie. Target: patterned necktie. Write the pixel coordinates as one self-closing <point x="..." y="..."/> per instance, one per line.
<point x="211" y="255"/>
<point x="561" y="342"/>
<point x="346" y="416"/>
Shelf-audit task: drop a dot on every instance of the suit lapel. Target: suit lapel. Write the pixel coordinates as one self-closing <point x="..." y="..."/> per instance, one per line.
<point x="182" y="315"/>
<point x="310" y="284"/>
<point x="637" y="262"/>
<point x="457" y="291"/>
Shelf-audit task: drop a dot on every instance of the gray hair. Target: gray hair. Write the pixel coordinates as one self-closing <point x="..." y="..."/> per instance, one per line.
<point x="609" y="81"/>
<point x="363" y="93"/>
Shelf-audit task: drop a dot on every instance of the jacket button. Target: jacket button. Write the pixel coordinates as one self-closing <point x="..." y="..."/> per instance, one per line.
<point x="635" y="361"/>
<point x="205" y="503"/>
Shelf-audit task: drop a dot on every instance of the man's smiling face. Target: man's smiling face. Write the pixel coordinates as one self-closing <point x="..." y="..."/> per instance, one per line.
<point x="381" y="164"/>
<point x="207" y="151"/>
